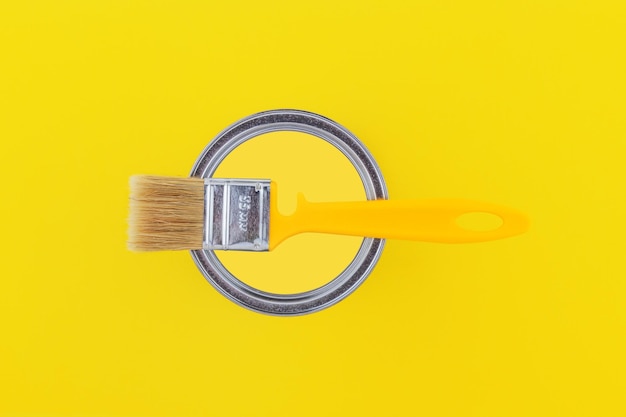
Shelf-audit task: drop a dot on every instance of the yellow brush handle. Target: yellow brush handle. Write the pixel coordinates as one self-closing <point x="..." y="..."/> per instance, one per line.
<point x="422" y="220"/>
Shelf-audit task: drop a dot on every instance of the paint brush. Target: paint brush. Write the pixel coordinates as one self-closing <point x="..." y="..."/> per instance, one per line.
<point x="170" y="213"/>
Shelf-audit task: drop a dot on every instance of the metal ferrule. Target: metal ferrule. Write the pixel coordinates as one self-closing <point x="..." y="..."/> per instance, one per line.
<point x="237" y="214"/>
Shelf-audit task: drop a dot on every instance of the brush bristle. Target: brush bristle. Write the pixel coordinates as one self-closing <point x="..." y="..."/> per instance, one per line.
<point x="166" y="213"/>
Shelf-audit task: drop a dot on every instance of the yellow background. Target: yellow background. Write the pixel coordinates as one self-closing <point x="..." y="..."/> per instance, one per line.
<point x="518" y="103"/>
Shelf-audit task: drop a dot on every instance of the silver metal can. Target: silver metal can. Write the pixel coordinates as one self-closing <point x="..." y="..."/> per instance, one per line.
<point x="369" y="252"/>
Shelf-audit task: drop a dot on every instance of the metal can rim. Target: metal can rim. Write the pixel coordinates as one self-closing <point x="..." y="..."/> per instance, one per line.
<point x="371" y="176"/>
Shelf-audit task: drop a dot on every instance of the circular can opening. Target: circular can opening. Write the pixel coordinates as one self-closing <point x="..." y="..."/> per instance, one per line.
<point x="297" y="162"/>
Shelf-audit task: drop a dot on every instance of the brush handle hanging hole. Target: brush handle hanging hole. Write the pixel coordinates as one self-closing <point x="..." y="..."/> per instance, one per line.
<point x="479" y="221"/>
